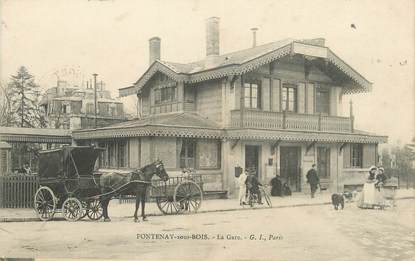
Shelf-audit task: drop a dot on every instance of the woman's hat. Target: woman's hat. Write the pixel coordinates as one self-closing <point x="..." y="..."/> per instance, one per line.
<point x="372" y="168"/>
<point x="382" y="169"/>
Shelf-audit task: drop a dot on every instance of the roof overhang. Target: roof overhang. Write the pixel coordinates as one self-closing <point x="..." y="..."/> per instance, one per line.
<point x="256" y="134"/>
<point x="149" y="130"/>
<point x="243" y="134"/>
<point x="35" y="135"/>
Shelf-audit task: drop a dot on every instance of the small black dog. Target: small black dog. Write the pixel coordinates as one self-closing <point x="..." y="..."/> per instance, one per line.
<point x="337" y="200"/>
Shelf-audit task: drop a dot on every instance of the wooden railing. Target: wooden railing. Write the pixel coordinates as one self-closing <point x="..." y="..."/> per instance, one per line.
<point x="292" y="121"/>
<point x="17" y="191"/>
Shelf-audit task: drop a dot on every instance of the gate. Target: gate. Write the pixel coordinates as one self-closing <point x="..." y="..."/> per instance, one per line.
<point x="17" y="191"/>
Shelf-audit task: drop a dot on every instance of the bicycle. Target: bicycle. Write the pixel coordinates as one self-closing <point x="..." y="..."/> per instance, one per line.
<point x="253" y="197"/>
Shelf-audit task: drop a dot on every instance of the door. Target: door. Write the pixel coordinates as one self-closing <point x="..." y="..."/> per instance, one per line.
<point x="323" y="163"/>
<point x="290" y="167"/>
<point x="252" y="159"/>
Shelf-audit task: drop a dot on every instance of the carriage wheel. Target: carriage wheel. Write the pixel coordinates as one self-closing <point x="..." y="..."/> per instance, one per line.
<point x="72" y="209"/>
<point x="167" y="205"/>
<point x="188" y="196"/>
<point x="95" y="210"/>
<point x="45" y="203"/>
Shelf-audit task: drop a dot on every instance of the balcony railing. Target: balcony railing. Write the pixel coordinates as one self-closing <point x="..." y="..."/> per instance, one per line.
<point x="291" y="121"/>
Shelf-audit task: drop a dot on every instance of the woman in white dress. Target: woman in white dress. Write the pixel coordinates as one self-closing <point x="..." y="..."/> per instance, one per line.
<point x="368" y="198"/>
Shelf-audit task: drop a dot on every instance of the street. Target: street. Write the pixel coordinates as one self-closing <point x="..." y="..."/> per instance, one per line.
<point x="301" y="233"/>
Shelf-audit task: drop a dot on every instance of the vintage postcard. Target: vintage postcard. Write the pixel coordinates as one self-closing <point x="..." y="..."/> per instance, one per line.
<point x="207" y="130"/>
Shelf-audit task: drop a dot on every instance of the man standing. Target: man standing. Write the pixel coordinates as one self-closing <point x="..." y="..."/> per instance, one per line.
<point x="313" y="180"/>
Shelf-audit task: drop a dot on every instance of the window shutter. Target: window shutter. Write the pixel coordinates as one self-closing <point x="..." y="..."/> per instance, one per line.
<point x="310" y="98"/>
<point x="265" y="97"/>
<point x="369" y="155"/>
<point x="301" y="98"/>
<point x="276" y="95"/>
<point x="346" y="156"/>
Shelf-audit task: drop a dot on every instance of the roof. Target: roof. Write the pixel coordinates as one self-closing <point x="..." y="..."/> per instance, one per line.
<point x="240" y="62"/>
<point x="233" y="58"/>
<point x="178" y="124"/>
<point x="183" y="119"/>
<point x="17" y="134"/>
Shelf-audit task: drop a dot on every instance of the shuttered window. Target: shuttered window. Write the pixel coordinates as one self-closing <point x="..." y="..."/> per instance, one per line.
<point x="187" y="153"/>
<point x="322" y="100"/>
<point x="166" y="94"/>
<point x="252" y="95"/>
<point x="356" y="155"/>
<point x="289" y="98"/>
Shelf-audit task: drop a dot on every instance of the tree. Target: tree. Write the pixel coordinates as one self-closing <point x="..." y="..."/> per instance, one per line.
<point x="24" y="96"/>
<point x="5" y="107"/>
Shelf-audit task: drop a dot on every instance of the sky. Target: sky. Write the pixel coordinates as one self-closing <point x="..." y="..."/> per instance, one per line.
<point x="110" y="37"/>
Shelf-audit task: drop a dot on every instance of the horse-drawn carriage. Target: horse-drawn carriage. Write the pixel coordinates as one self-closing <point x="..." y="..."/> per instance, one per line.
<point x="69" y="184"/>
<point x="179" y="194"/>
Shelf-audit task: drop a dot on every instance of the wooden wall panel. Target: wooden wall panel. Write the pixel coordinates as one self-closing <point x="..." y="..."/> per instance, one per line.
<point x="310" y="98"/>
<point x="276" y="90"/>
<point x="208" y="100"/>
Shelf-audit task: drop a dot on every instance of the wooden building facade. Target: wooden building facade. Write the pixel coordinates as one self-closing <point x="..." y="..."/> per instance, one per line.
<point x="275" y="108"/>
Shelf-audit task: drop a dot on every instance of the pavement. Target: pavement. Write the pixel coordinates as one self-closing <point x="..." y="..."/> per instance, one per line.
<point x="125" y="210"/>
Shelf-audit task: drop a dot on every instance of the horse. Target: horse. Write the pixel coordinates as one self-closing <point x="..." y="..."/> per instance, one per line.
<point x="134" y="183"/>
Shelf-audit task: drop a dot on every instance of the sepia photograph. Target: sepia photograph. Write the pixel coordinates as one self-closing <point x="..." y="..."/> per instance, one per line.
<point x="207" y="130"/>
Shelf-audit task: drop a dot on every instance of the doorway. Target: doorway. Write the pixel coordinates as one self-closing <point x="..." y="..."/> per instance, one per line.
<point x="252" y="159"/>
<point x="290" y="167"/>
<point x="323" y="162"/>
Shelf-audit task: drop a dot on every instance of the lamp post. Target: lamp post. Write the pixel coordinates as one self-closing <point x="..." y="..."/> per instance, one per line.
<point x="95" y="98"/>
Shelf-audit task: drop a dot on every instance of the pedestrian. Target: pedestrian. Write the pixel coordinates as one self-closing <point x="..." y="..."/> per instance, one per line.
<point x="276" y="186"/>
<point x="241" y="176"/>
<point x="313" y="180"/>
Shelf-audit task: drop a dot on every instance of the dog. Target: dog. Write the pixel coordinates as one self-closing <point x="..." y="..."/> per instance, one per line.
<point x="338" y="201"/>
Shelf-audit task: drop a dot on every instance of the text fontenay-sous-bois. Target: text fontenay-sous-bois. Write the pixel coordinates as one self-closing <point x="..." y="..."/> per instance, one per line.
<point x="194" y="236"/>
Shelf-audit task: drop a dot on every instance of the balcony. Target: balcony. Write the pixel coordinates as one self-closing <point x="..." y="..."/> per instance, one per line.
<point x="290" y="121"/>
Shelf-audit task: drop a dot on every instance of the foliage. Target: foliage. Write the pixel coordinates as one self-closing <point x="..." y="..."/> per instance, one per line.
<point x="398" y="161"/>
<point x="23" y="94"/>
<point x="5" y="107"/>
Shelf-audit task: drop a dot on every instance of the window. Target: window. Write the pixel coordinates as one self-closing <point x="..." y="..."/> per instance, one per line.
<point x="252" y="95"/>
<point x="167" y="94"/>
<point x="322" y="100"/>
<point x="356" y="155"/>
<point x="90" y="108"/>
<point x="187" y="153"/>
<point x="122" y="154"/>
<point x="289" y="98"/>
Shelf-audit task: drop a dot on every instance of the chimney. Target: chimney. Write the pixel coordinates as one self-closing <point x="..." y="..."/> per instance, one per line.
<point x="155" y="43"/>
<point x="212" y="36"/>
<point x="254" y="36"/>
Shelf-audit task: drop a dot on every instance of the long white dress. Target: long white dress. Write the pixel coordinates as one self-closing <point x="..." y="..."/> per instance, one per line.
<point x="369" y="193"/>
<point x="242" y="187"/>
<point x="370" y="196"/>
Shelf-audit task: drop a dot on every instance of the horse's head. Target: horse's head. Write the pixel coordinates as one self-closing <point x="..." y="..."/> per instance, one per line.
<point x="161" y="171"/>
